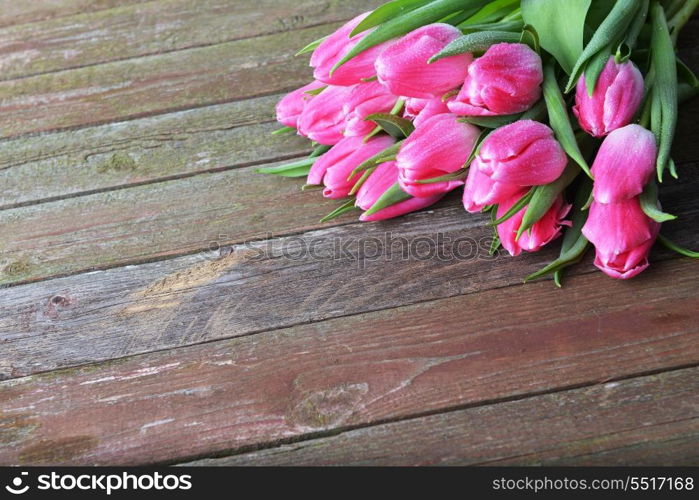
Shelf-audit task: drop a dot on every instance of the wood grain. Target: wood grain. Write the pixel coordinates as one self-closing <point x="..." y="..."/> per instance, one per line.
<point x="40" y="168"/>
<point x="262" y="285"/>
<point x="13" y="12"/>
<point x="353" y="371"/>
<point x="183" y="216"/>
<point x="35" y="169"/>
<point x="141" y="29"/>
<point x="156" y="84"/>
<point x="651" y="420"/>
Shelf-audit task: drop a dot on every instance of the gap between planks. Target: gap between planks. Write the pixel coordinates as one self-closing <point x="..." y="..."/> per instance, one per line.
<point x="156" y="28"/>
<point x="348" y="372"/>
<point x="384" y="443"/>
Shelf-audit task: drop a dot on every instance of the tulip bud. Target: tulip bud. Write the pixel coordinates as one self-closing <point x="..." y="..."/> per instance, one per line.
<point x="403" y="67"/>
<point x="363" y="100"/>
<point x="385" y="176"/>
<point x="323" y="117"/>
<point x="524" y="153"/>
<point x="622" y="235"/>
<point x="419" y="110"/>
<point x="624" y="164"/>
<point x="505" y="80"/>
<point x="546" y="229"/>
<point x="614" y="102"/>
<point x="335" y="166"/>
<point x="289" y="108"/>
<point x="440" y="146"/>
<point x="334" y="48"/>
<point x="480" y="190"/>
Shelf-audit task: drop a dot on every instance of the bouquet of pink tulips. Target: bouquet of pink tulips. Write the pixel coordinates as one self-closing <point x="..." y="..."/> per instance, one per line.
<point x="548" y="114"/>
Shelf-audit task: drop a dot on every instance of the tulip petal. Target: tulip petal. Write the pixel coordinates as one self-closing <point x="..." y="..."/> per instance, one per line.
<point x="624" y="164"/>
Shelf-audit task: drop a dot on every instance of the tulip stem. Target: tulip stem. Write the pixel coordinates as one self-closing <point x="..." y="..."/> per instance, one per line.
<point x="284" y="130"/>
<point x="675" y="247"/>
<point x="681" y="18"/>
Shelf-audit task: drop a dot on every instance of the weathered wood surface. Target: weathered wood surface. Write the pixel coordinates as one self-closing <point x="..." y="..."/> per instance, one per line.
<point x="156" y="84"/>
<point x="651" y="420"/>
<point x="354" y="370"/>
<point x="156" y="27"/>
<point x="199" y="354"/>
<point x="40" y="168"/>
<point x="264" y="285"/>
<point x="184" y="216"/>
<point x="14" y="12"/>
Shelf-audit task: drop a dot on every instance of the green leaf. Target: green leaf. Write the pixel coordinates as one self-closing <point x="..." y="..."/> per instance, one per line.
<point x="298" y="168"/>
<point x="319" y="150"/>
<point x="493" y="122"/>
<point x="544" y="197"/>
<point x="404" y="23"/>
<point x="664" y="88"/>
<point x="559" y="119"/>
<point x="316" y="91"/>
<point x="493" y="11"/>
<point x="454" y="176"/>
<point x="611" y="31"/>
<point x="311" y="46"/>
<point x="393" y="125"/>
<point x="594" y="68"/>
<point x="387" y="12"/>
<point x="514" y="209"/>
<point x="513" y="26"/>
<point x="391" y="196"/>
<point x="475" y="43"/>
<point x="675" y="247"/>
<point x="574" y="242"/>
<point x="560" y="26"/>
<point x="649" y="204"/>
<point x="361" y="180"/>
<point x="345" y="207"/>
<point x="637" y="25"/>
<point x="387" y="154"/>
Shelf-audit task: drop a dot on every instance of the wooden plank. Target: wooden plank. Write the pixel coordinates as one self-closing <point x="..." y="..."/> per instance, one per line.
<point x="352" y="371"/>
<point x="651" y="420"/>
<point x="179" y="217"/>
<point x="263" y="285"/>
<point x="156" y="27"/>
<point x="37" y="168"/>
<point x="156" y="84"/>
<point x="45" y="167"/>
<point x="13" y="12"/>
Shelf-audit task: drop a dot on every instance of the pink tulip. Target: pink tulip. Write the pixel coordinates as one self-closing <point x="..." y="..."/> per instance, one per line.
<point x="289" y="108"/>
<point x="363" y="100"/>
<point x="546" y="229"/>
<point x="403" y="67"/>
<point x="622" y="235"/>
<point x="385" y="176"/>
<point x="323" y="118"/>
<point x="334" y="48"/>
<point x="614" y="102"/>
<point x="480" y="190"/>
<point x="334" y="167"/>
<point x="624" y="164"/>
<point x="505" y="80"/>
<point x="419" y="110"/>
<point x="440" y="146"/>
<point x="524" y="153"/>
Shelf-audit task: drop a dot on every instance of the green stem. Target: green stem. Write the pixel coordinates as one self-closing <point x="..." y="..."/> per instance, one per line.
<point x="675" y="247"/>
<point x="681" y="18"/>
